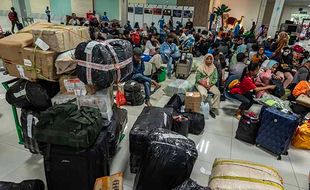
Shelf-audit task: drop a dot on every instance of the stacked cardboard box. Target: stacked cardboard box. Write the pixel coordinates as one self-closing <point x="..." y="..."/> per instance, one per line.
<point x="31" y="54"/>
<point x="192" y="102"/>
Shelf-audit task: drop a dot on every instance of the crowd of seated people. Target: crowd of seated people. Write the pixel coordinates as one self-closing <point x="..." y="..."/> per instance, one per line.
<point x="262" y="65"/>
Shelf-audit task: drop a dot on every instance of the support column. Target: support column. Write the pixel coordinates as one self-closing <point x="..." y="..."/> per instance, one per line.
<point x="201" y="13"/>
<point x="275" y="18"/>
<point x="261" y="13"/>
<point x="123" y="12"/>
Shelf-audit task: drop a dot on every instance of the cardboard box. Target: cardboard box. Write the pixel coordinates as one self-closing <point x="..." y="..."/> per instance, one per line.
<point x="11" y="47"/>
<point x="41" y="61"/>
<point x="20" y="71"/>
<point x="193" y="101"/>
<point x="62" y="38"/>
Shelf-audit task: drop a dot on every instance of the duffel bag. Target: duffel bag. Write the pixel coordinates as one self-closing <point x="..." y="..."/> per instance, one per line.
<point x="176" y="102"/>
<point x="32" y="95"/>
<point x="67" y="125"/>
<point x="132" y="86"/>
<point x="302" y="137"/>
<point x="181" y="125"/>
<point x="102" y="63"/>
<point x="247" y="128"/>
<point x="197" y="122"/>
<point x="24" y="185"/>
<point x="133" y="94"/>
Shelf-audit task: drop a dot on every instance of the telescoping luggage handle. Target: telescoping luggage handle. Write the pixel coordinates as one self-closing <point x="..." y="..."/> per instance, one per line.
<point x="89" y="65"/>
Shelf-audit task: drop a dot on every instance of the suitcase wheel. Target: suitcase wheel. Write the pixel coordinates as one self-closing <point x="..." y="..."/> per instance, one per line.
<point x="285" y="153"/>
<point x="279" y="157"/>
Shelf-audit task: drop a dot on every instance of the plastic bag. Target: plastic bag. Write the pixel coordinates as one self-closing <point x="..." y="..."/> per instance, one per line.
<point x="113" y="182"/>
<point x="302" y="137"/>
<point x="205" y="109"/>
<point x="189" y="184"/>
<point x="176" y="102"/>
<point x="168" y="163"/>
<point x="120" y="98"/>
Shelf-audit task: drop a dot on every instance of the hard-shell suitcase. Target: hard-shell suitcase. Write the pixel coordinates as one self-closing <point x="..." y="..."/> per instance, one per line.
<point x="68" y="168"/>
<point x="183" y="67"/>
<point x="276" y="130"/>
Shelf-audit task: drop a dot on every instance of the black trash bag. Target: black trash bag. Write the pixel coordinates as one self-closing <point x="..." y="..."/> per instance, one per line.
<point x="279" y="91"/>
<point x="31" y="95"/>
<point x="181" y="125"/>
<point x="247" y="129"/>
<point x="116" y="128"/>
<point x="189" y="184"/>
<point x="24" y="185"/>
<point x="149" y="119"/>
<point x="102" y="55"/>
<point x="133" y="93"/>
<point x="168" y="163"/>
<point x="197" y="122"/>
<point x="29" y="120"/>
<point x="176" y="102"/>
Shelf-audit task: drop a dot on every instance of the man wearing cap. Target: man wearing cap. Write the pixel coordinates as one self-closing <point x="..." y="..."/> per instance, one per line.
<point x="137" y="75"/>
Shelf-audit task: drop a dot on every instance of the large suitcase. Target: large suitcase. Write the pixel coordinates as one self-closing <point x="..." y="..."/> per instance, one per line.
<point x="169" y="161"/>
<point x="149" y="119"/>
<point x="183" y="67"/>
<point x="68" y="168"/>
<point x="276" y="130"/>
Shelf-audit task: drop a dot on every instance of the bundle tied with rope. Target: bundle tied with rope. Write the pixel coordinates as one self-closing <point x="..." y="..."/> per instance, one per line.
<point x="101" y="63"/>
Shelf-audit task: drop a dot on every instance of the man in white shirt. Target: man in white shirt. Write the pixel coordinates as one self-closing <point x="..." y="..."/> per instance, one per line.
<point x="74" y="21"/>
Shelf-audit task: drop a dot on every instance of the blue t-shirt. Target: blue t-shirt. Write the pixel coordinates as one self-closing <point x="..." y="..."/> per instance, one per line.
<point x="161" y="23"/>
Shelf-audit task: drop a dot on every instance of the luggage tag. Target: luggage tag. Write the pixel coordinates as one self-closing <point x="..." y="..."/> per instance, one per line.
<point x="41" y="44"/>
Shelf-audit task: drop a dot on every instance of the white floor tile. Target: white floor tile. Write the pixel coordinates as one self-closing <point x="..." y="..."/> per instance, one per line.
<point x="222" y="125"/>
<point x="290" y="187"/>
<point x="126" y="187"/>
<point x="201" y="172"/>
<point x="213" y="146"/>
<point x="129" y="178"/>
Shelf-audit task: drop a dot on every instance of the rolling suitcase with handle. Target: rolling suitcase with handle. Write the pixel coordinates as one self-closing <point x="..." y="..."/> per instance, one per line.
<point x="276" y="130"/>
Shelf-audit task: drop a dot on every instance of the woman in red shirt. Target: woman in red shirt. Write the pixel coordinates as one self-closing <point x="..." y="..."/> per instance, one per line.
<point x="245" y="90"/>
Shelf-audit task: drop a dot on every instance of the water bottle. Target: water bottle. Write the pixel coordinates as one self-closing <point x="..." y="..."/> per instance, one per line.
<point x="205" y="109"/>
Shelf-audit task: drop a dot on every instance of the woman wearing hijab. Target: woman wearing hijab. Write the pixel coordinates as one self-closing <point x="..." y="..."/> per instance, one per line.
<point x="260" y="56"/>
<point x="206" y="79"/>
<point x="279" y="45"/>
<point x="286" y="66"/>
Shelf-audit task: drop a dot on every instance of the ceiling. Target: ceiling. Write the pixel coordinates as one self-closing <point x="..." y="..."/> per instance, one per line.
<point x="302" y="3"/>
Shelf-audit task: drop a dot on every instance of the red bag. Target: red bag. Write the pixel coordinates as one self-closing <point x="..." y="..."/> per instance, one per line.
<point x="135" y="38"/>
<point x="298" y="49"/>
<point x="120" y="98"/>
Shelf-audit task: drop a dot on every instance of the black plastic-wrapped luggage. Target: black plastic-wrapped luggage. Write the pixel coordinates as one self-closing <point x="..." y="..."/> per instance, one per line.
<point x="31" y="95"/>
<point x="24" y="185"/>
<point x="29" y="120"/>
<point x="67" y="168"/>
<point x="168" y="163"/>
<point x="276" y="130"/>
<point x="115" y="129"/>
<point x="247" y="129"/>
<point x="133" y="94"/>
<point x="197" y="122"/>
<point x="181" y="125"/>
<point x="149" y="119"/>
<point x="98" y="59"/>
<point x="176" y="102"/>
<point x="189" y="184"/>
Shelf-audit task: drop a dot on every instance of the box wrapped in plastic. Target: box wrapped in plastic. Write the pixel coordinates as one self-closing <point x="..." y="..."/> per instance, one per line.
<point x="103" y="100"/>
<point x="178" y="86"/>
<point x="102" y="63"/>
<point x="189" y="184"/>
<point x="149" y="119"/>
<point x="168" y="163"/>
<point x="238" y="174"/>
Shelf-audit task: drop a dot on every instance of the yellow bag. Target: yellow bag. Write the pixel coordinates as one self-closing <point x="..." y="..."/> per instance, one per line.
<point x="233" y="83"/>
<point x="113" y="182"/>
<point x="302" y="137"/>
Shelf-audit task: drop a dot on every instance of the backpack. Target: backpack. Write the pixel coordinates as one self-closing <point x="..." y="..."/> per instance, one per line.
<point x="135" y="38"/>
